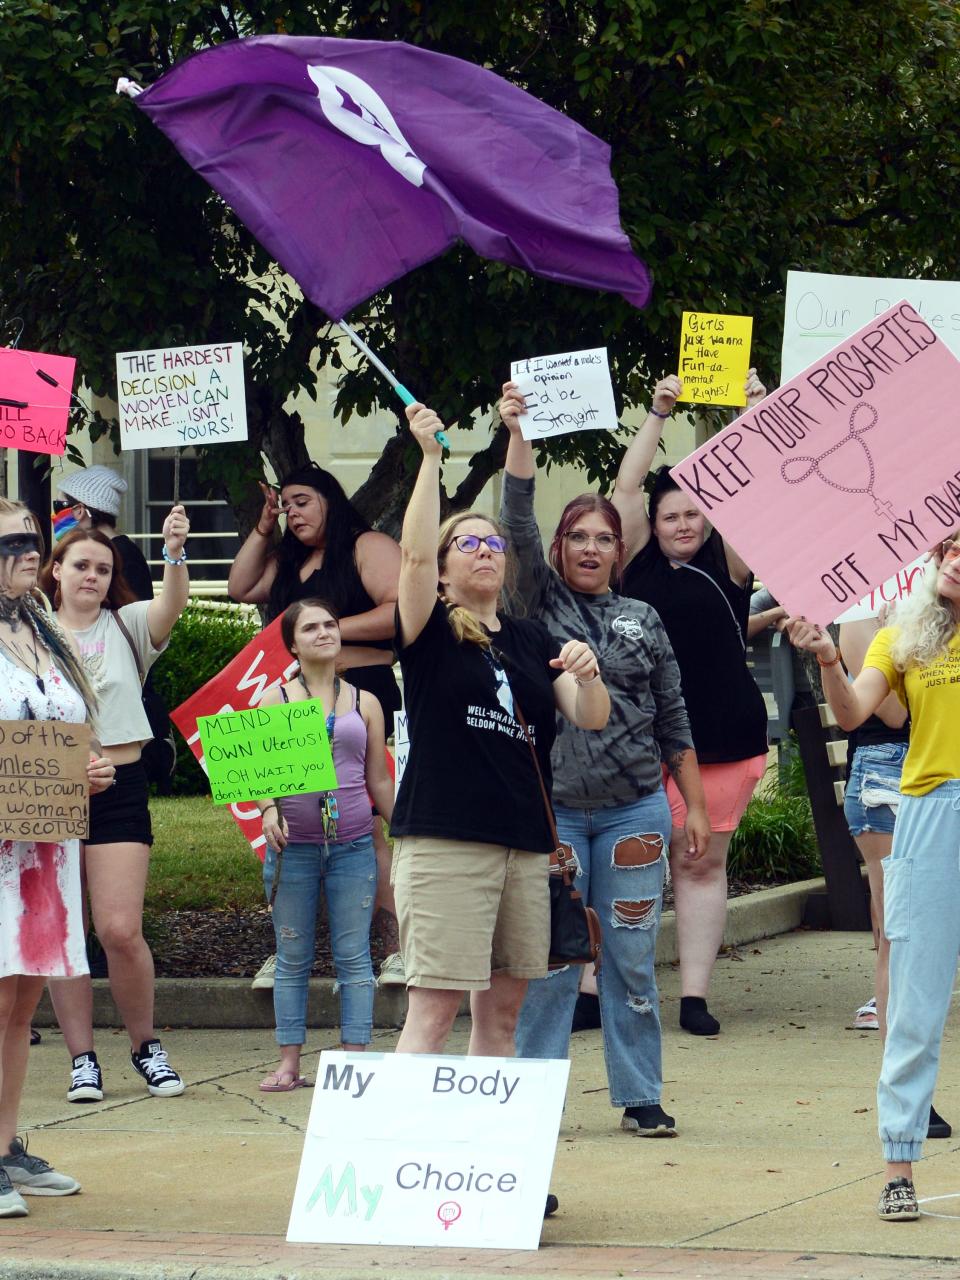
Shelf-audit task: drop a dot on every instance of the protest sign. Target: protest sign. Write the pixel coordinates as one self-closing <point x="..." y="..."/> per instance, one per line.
<point x="177" y="396"/>
<point x="35" y="394"/>
<point x="714" y="358"/>
<point x="401" y="745"/>
<point x="822" y="310"/>
<point x="268" y="751"/>
<point x="44" y="792"/>
<point x="567" y="392"/>
<point x="416" y="1149"/>
<point x="846" y="473"/>
<point x="892" y="592"/>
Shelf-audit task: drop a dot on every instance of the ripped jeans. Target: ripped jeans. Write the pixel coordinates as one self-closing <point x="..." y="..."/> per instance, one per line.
<point x="348" y="874"/>
<point x="622" y="852"/>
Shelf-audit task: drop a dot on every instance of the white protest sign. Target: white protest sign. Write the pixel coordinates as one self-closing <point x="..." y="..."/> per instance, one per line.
<point x="889" y="593"/>
<point x="567" y="392"/>
<point x="412" y="1149"/>
<point x="822" y="310"/>
<point x="401" y="747"/>
<point x="177" y="396"/>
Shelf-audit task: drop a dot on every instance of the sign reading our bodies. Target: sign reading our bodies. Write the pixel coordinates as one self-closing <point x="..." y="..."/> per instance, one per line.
<point x="415" y="1149"/>
<point x="179" y="396"/>
<point x="714" y="358"/>
<point x="35" y="394"/>
<point x="44" y="792"/>
<point x="268" y="751"/>
<point x="567" y="392"/>
<point x="844" y="474"/>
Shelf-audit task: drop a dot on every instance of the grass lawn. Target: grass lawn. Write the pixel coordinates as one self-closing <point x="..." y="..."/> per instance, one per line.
<point x="200" y="859"/>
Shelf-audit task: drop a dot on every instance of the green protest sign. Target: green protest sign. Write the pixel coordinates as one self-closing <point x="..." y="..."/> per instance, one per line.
<point x="267" y="751"/>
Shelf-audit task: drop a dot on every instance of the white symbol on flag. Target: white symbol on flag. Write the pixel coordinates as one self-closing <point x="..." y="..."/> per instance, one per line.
<point x="370" y="123"/>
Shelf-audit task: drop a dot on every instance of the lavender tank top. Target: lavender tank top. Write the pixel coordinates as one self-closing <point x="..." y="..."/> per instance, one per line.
<point x="349" y="758"/>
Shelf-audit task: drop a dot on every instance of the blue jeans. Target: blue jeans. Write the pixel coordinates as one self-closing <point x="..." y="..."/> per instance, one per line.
<point x="348" y="873"/>
<point x="622" y="852"/>
<point x="872" y="794"/>
<point x="921" y="893"/>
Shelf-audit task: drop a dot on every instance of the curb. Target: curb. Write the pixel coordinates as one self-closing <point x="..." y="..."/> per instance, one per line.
<point x="229" y="1004"/>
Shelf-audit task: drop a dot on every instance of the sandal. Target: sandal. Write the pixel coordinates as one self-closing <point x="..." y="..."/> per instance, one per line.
<point x="282" y="1082"/>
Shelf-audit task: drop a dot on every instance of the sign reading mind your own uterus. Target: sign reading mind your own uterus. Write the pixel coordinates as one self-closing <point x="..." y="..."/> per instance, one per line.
<point x="845" y="473"/>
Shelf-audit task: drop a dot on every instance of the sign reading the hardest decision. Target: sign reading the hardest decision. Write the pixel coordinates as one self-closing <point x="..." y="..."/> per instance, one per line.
<point x="714" y="358"/>
<point x="273" y="751"/>
<point x="35" y="394"/>
<point x="567" y="392"/>
<point x="846" y="473"/>
<point x="416" y="1149"/>
<point x="179" y="396"/>
<point x="44" y="792"/>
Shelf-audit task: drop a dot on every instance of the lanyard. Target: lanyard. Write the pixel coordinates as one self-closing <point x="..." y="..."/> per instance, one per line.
<point x="329" y="809"/>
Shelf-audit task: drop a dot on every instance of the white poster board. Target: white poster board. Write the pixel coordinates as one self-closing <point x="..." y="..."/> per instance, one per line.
<point x="823" y="310"/>
<point x="568" y="392"/>
<point x="401" y="748"/>
<point x="177" y="396"/>
<point x="889" y="593"/>
<point x="418" y="1149"/>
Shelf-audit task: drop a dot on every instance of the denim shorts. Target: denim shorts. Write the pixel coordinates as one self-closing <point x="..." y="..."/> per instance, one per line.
<point x="873" y="791"/>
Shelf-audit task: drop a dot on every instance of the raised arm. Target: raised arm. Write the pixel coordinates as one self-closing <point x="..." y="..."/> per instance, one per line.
<point x="516" y="509"/>
<point x="166" y="608"/>
<point x="254" y="569"/>
<point x="851" y="703"/>
<point x="737" y="567"/>
<point x="421" y="522"/>
<point x="628" y="496"/>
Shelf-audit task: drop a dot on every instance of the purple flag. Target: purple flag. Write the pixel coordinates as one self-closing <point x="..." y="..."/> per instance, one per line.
<point x="354" y="161"/>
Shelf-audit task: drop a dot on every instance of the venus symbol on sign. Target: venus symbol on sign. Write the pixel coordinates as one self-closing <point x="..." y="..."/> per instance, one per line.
<point x="796" y="470"/>
<point x="448" y="1213"/>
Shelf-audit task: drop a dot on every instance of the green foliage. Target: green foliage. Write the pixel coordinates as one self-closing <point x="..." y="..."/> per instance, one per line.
<point x="775" y="841"/>
<point x="200" y="860"/>
<point x="202" y="644"/>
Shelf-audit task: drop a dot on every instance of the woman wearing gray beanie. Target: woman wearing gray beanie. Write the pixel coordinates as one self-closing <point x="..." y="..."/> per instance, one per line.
<point x="94" y="495"/>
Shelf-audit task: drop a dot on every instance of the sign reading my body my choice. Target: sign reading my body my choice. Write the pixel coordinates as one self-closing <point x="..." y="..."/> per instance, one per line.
<point x="411" y="1149"/>
<point x="176" y="396"/>
<point x="267" y="751"/>
<point x="844" y="474"/>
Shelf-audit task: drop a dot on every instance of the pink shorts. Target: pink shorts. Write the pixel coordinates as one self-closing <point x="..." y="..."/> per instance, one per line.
<point x="728" y="788"/>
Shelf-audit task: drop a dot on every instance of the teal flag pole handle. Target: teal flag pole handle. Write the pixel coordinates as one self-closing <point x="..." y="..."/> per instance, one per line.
<point x="406" y="396"/>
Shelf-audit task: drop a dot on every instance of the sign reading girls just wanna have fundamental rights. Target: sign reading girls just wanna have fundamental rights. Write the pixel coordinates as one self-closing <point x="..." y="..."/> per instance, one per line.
<point x="844" y="474"/>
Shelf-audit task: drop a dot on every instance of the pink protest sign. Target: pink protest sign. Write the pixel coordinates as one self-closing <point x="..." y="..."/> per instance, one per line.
<point x="843" y="475"/>
<point x="35" y="391"/>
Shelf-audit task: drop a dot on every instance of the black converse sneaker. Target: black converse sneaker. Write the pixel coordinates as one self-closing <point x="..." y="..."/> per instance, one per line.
<point x="151" y="1063"/>
<point x="86" y="1082"/>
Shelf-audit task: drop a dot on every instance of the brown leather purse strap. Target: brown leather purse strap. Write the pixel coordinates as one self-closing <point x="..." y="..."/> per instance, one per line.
<point x="548" y="807"/>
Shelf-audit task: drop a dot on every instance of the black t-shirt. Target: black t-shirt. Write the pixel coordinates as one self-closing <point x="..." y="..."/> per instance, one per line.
<point x="136" y="571"/>
<point x="705" y="615"/>
<point x="469" y="772"/>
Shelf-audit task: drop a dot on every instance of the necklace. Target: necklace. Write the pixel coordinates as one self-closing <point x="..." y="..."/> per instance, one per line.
<point x="332" y="717"/>
<point x="11" y="611"/>
<point x="23" y="657"/>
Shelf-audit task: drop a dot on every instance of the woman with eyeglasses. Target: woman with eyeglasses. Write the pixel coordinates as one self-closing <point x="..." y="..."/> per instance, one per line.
<point x="41" y="919"/>
<point x="329" y="551"/>
<point x="323" y="841"/>
<point x="918" y="659"/>
<point x="701" y="589"/>
<point x="472" y="834"/>
<point x="611" y="808"/>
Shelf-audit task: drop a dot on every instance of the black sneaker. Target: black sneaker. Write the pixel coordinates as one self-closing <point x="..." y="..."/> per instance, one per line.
<point x="696" y="1018"/>
<point x="86" y="1082"/>
<point x="551" y="1207"/>
<point x="649" y="1122"/>
<point x="151" y="1063"/>
<point x="937" y="1126"/>
<point x="898" y="1202"/>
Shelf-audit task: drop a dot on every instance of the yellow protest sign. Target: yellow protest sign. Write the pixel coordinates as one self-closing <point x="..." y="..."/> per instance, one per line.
<point x="44" y="793"/>
<point x="714" y="358"/>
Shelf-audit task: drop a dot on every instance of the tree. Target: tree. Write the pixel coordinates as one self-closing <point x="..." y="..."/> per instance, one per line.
<point x="749" y="136"/>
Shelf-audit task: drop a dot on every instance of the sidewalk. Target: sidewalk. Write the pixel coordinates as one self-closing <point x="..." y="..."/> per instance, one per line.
<point x="775" y="1172"/>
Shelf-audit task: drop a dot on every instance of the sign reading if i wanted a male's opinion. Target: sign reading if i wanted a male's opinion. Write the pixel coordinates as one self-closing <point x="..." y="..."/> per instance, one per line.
<point x="568" y="392"/>
<point x="272" y="751"/>
<point x="44" y="791"/>
<point x="176" y="396"/>
<point x="844" y="474"/>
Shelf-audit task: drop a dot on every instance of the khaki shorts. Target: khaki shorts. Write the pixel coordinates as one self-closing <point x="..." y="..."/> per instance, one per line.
<point x="467" y="910"/>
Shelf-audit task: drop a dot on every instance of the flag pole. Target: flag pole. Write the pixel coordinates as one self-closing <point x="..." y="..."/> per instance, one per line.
<point x="381" y="368"/>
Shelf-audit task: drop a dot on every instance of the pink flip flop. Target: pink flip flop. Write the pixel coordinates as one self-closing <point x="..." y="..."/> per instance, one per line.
<point x="274" y="1082"/>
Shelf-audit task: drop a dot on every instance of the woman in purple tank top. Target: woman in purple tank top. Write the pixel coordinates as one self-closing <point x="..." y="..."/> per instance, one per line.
<point x="324" y="841"/>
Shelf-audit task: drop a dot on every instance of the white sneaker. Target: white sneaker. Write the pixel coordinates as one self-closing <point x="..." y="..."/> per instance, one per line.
<point x="263" y="978"/>
<point x="12" y="1203"/>
<point x="391" y="971"/>
<point x="865" y="1019"/>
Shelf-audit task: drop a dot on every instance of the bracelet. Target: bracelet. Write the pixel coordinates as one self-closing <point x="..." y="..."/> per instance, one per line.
<point x="581" y="684"/>
<point x="659" y="415"/>
<point x="267" y="808"/>
<point x="837" y="659"/>
<point x="182" y="559"/>
<point x="260" y="531"/>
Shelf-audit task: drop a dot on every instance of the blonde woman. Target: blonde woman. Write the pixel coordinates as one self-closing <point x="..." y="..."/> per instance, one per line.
<point x="918" y="658"/>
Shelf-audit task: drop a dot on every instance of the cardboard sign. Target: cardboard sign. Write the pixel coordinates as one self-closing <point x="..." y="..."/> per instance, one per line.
<point x="35" y="393"/>
<point x="417" y="1149"/>
<point x="846" y="473"/>
<point x="268" y="751"/>
<point x="714" y="358"/>
<point x="822" y="310"/>
<point x="178" y="396"/>
<point x="567" y="392"/>
<point x="44" y="792"/>
<point x="889" y="593"/>
<point x="401" y="745"/>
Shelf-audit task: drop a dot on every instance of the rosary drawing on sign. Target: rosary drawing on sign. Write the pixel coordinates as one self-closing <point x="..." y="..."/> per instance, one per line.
<point x="796" y="470"/>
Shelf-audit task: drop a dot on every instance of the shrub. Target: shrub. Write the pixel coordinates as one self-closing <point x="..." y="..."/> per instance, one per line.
<point x="202" y="643"/>
<point x="775" y="840"/>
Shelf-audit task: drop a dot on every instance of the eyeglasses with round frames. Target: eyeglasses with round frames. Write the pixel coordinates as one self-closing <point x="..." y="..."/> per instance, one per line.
<point x="469" y="542"/>
<point x="602" y="541"/>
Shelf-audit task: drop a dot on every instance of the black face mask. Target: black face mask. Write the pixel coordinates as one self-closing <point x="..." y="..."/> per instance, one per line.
<point x="14" y="545"/>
